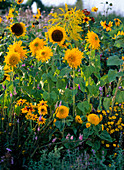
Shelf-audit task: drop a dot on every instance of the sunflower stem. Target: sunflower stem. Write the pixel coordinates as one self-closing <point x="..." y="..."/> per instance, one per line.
<point x="48" y="88"/>
<point x="73" y="92"/>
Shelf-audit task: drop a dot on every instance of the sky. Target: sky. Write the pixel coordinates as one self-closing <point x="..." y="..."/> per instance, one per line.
<point x="118" y="5"/>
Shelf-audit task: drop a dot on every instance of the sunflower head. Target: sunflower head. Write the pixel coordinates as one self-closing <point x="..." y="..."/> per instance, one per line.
<point x="93" y="119"/>
<point x="73" y="57"/>
<point x="62" y="112"/>
<point x="18" y="29"/>
<point x="93" y="40"/>
<point x="12" y="59"/>
<point x="19" y="1"/>
<point x="44" y="54"/>
<point x="16" y="47"/>
<point x="57" y="35"/>
<point x="36" y="45"/>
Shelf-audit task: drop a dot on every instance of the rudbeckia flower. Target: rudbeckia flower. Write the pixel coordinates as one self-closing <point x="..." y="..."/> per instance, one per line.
<point x="94" y="9"/>
<point x="78" y="119"/>
<point x="42" y="110"/>
<point x="117" y="21"/>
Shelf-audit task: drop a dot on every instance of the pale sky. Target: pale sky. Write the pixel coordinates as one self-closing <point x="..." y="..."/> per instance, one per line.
<point x="118" y="5"/>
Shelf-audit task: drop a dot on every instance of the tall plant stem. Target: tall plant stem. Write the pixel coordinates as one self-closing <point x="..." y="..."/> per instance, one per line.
<point x="48" y="88"/>
<point x="74" y="94"/>
<point x="113" y="99"/>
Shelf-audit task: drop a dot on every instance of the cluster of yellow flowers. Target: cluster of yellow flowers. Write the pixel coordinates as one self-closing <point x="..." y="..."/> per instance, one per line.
<point x="15" y="55"/>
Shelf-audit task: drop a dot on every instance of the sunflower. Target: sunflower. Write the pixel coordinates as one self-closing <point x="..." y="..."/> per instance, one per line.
<point x="0" y="19"/>
<point x="93" y="40"/>
<point x="44" y="54"/>
<point x="57" y="34"/>
<point x="20" y="1"/>
<point x="62" y="112"/>
<point x="117" y="21"/>
<point x="73" y="57"/>
<point x="41" y="120"/>
<point x="18" y="29"/>
<point x="36" y="45"/>
<point x="94" y="9"/>
<point x="42" y="110"/>
<point x="78" y="119"/>
<point x="16" y="47"/>
<point x="93" y="119"/>
<point x="42" y="103"/>
<point x="12" y="58"/>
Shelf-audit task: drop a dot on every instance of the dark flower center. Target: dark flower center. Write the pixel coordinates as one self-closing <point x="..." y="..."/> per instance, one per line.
<point x="57" y="35"/>
<point x="17" y="29"/>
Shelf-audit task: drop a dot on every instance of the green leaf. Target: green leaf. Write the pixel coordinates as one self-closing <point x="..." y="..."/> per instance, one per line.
<point x="96" y="145"/>
<point x="60" y="125"/>
<point x="112" y="75"/>
<point x="93" y="90"/>
<point x="119" y="97"/>
<point x="106" y="103"/>
<point x="85" y="107"/>
<point x="105" y="136"/>
<point x="65" y="71"/>
<point x="88" y="142"/>
<point x="114" y="61"/>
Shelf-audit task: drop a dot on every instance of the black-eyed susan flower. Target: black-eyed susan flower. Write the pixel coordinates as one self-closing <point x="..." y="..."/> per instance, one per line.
<point x="29" y="108"/>
<point x="93" y="119"/>
<point x="106" y="26"/>
<point x="86" y="20"/>
<point x="20" y="1"/>
<point x="73" y="57"/>
<point x="78" y="119"/>
<point x="21" y="102"/>
<point x="18" y="29"/>
<point x="36" y="45"/>
<point x="57" y="34"/>
<point x="44" y="54"/>
<point x="88" y="125"/>
<point x="12" y="58"/>
<point x="41" y="120"/>
<point x="93" y="40"/>
<point x="62" y="112"/>
<point x="42" y="110"/>
<point x="116" y="36"/>
<point x="16" y="47"/>
<point x="42" y="103"/>
<point x="117" y="21"/>
<point x="94" y="9"/>
<point x="37" y="16"/>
